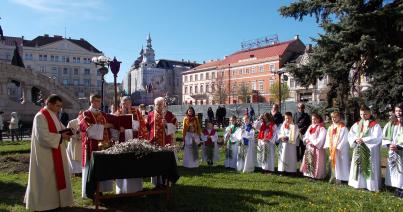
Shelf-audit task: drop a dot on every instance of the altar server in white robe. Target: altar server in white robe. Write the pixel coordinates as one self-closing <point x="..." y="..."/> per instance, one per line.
<point x="246" y="147"/>
<point x="74" y="152"/>
<point x="393" y="140"/>
<point x="287" y="135"/>
<point x="133" y="184"/>
<point x="49" y="184"/>
<point x="211" y="150"/>
<point x="266" y="142"/>
<point x="365" y="137"/>
<point x="231" y="139"/>
<point x="337" y="143"/>
<point x="191" y="151"/>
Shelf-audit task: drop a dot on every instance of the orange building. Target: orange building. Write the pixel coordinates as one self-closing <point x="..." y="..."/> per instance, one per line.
<point x="254" y="68"/>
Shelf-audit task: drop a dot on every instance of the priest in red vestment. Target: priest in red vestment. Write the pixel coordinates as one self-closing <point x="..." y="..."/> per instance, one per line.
<point x="162" y="124"/>
<point x="94" y="117"/>
<point x="138" y="123"/>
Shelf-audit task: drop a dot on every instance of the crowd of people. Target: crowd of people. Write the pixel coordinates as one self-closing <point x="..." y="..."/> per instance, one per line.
<point x="249" y="145"/>
<point x="254" y="145"/>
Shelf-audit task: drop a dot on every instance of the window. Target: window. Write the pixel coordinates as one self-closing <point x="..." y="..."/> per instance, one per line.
<point x="191" y="79"/>
<point x="261" y="69"/>
<point x="233" y="72"/>
<point x="54" y="70"/>
<point x="28" y="56"/>
<point x="52" y="58"/>
<point x="191" y="90"/>
<point x="201" y="76"/>
<point x="56" y="58"/>
<point x="75" y="71"/>
<point x="87" y="71"/>
<point x="186" y="78"/>
<point x="207" y="88"/>
<point x="201" y="89"/>
<point x="40" y="57"/>
<point x="78" y="60"/>
<point x="196" y="89"/>
<point x="67" y="59"/>
<point x="186" y="90"/>
<point x="86" y="82"/>
<point x="213" y="87"/>
<point x="65" y="82"/>
<point x="261" y="85"/>
<point x="63" y="58"/>
<point x="76" y="82"/>
<point x="84" y="60"/>
<point x="45" y="57"/>
<point x="207" y="76"/>
<point x="252" y="70"/>
<point x="65" y="70"/>
<point x="42" y="69"/>
<point x="272" y="68"/>
<point x="196" y="77"/>
<point x="271" y="82"/>
<point x="213" y="75"/>
<point x="254" y="85"/>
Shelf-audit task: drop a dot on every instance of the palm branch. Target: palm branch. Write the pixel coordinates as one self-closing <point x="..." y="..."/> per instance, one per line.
<point x="228" y="151"/>
<point x="242" y="151"/>
<point x="396" y="161"/>
<point x="310" y="161"/>
<point x="362" y="161"/>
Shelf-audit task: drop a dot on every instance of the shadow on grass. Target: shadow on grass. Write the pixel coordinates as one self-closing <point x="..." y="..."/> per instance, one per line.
<point x="190" y="172"/>
<point x="198" y="198"/>
<point x="11" y="193"/>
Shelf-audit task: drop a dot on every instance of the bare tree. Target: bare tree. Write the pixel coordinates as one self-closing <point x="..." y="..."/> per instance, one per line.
<point x="244" y="92"/>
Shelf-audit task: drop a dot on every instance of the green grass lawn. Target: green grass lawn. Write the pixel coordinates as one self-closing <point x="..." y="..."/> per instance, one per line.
<point x="214" y="189"/>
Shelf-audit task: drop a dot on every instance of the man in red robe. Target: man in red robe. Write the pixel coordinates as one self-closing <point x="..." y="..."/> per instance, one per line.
<point x="91" y="117"/>
<point x="162" y="124"/>
<point x="139" y="125"/>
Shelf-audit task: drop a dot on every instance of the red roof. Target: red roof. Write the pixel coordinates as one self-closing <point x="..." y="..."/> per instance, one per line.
<point x="274" y="50"/>
<point x="10" y="41"/>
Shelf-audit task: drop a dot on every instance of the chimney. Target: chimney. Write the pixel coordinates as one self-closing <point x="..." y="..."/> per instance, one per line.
<point x="296" y="37"/>
<point x="57" y="36"/>
<point x="204" y="62"/>
<point x="46" y="35"/>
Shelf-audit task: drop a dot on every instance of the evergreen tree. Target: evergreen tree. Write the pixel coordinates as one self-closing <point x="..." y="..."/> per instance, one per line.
<point x="362" y="38"/>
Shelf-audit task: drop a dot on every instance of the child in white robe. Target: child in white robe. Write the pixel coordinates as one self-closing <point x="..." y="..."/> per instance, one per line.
<point x="246" y="146"/>
<point x="393" y="140"/>
<point x="231" y="141"/>
<point x="210" y="147"/>
<point x="287" y="135"/>
<point x="337" y="143"/>
<point x="365" y="137"/>
<point x="191" y="151"/>
<point x="266" y="142"/>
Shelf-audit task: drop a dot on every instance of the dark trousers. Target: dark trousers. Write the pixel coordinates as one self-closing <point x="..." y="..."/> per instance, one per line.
<point x="1" y="135"/>
<point x="220" y="121"/>
<point x="300" y="150"/>
<point x="14" y="132"/>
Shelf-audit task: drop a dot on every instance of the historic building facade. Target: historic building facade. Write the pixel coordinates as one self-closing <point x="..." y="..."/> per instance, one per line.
<point x="252" y="68"/>
<point x="149" y="78"/>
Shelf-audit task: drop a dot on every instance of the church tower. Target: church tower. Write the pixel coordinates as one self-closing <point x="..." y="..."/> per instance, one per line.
<point x="148" y="55"/>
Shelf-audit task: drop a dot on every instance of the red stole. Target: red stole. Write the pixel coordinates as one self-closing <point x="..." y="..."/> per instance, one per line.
<point x="263" y="129"/>
<point x="56" y="153"/>
<point x="312" y="130"/>
<point x="209" y="141"/>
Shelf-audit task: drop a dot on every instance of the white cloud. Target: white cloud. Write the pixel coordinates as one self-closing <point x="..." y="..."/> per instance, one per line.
<point x="70" y="8"/>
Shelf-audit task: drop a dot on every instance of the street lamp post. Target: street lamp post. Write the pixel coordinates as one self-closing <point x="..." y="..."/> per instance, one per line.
<point x="279" y="72"/>
<point x="115" y="66"/>
<point x="102" y="61"/>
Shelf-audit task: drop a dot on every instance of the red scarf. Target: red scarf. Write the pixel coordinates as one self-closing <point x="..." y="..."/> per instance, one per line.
<point x="56" y="153"/>
<point x="209" y="141"/>
<point x="262" y="134"/>
<point x="313" y="129"/>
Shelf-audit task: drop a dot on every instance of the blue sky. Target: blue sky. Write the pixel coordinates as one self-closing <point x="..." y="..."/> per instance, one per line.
<point x="195" y="30"/>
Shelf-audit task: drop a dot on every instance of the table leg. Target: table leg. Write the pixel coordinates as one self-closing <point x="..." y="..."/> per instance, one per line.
<point x="96" y="197"/>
